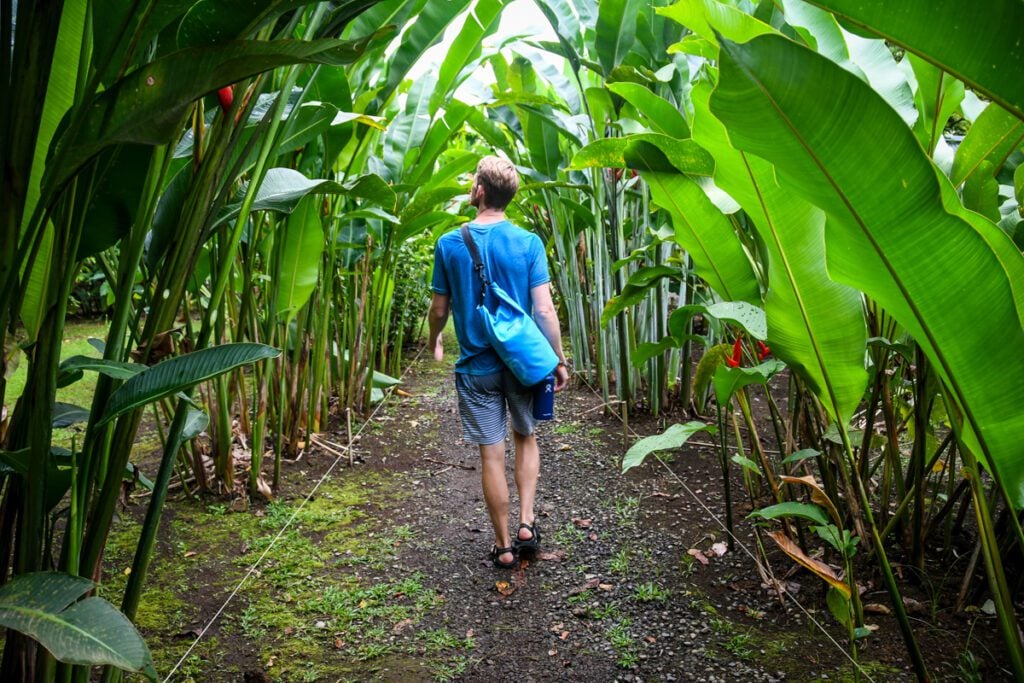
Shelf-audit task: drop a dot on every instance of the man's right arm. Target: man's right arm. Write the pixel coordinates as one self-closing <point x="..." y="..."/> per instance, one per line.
<point x="547" y="320"/>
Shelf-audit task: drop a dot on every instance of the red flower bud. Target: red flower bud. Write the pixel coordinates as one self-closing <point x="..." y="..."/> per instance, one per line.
<point x="763" y="350"/>
<point x="226" y="97"/>
<point x="737" y="354"/>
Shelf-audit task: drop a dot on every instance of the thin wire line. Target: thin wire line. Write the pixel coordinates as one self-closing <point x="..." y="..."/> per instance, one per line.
<point x="766" y="564"/>
<point x="284" y="528"/>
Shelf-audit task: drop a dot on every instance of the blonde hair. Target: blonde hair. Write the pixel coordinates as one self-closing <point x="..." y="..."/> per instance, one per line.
<point x="499" y="179"/>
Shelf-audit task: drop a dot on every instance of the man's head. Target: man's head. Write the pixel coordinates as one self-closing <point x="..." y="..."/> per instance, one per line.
<point x="494" y="184"/>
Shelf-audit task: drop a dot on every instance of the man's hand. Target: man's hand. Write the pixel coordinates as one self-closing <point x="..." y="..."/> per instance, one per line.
<point x="561" y="378"/>
<point x="438" y="349"/>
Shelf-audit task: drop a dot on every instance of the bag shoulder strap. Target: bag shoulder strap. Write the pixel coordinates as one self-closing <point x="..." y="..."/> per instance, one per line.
<point x="478" y="263"/>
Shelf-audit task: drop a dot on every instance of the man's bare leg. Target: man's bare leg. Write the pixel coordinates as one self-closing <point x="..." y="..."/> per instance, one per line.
<point x="492" y="477"/>
<point x="527" y="472"/>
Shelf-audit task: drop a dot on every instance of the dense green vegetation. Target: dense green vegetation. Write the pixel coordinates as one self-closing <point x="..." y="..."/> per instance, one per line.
<point x="251" y="198"/>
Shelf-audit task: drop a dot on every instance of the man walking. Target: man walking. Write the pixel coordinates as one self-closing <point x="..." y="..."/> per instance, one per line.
<point x="489" y="392"/>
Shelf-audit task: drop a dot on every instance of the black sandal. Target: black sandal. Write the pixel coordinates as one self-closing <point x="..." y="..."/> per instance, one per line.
<point x="496" y="554"/>
<point x="531" y="544"/>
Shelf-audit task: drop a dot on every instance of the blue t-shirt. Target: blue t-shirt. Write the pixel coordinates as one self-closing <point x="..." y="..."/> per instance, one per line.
<point x="512" y="257"/>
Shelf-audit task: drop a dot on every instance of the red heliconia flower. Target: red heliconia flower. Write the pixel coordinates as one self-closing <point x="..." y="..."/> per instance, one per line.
<point x="763" y="350"/>
<point x="737" y="354"/>
<point x="226" y="96"/>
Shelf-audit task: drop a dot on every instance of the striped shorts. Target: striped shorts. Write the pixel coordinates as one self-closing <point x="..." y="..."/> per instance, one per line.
<point x="483" y="400"/>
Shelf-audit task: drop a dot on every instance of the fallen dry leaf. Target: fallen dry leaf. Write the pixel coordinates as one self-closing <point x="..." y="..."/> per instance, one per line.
<point x="875" y="608"/>
<point x="817" y="567"/>
<point x="565" y="447"/>
<point x="583" y="523"/>
<point x="339" y="643"/>
<point x="564" y="635"/>
<point x="556" y="628"/>
<point x="551" y="556"/>
<point x="593" y="537"/>
<point x="661" y="494"/>
<point x="191" y="553"/>
<point x="651" y="639"/>
<point x="593" y="583"/>
<point x="605" y="586"/>
<point x="698" y="555"/>
<point x="401" y="626"/>
<point x="720" y="549"/>
<point x="552" y="653"/>
<point x="505" y="588"/>
<point x="469" y="634"/>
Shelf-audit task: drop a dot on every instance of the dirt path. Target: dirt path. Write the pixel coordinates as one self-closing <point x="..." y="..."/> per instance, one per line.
<point x="382" y="574"/>
<point x="616" y="593"/>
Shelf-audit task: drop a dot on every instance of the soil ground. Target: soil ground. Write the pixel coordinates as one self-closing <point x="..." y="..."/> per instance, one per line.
<point x="383" y="574"/>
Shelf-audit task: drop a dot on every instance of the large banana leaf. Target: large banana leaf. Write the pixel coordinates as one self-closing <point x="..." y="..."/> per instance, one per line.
<point x="407" y="131"/>
<point x="46" y="606"/>
<point x="815" y="324"/>
<point x="60" y="94"/>
<point x="700" y="227"/>
<point x="215" y="21"/>
<point x="616" y="31"/>
<point x="182" y="372"/>
<point x="869" y="59"/>
<point x="147" y="105"/>
<point x="992" y="138"/>
<point x="283" y="188"/>
<point x="980" y="44"/>
<point x="481" y="21"/>
<point x="661" y="115"/>
<point x="429" y="28"/>
<point x="832" y="140"/>
<point x="302" y="245"/>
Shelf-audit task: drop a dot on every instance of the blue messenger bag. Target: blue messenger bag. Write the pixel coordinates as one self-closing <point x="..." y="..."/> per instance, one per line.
<point x="513" y="334"/>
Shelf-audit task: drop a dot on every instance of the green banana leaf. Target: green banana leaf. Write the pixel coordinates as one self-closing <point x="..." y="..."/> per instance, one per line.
<point x="616" y="31"/>
<point x="182" y="372"/>
<point x="283" y="189"/>
<point x="673" y="437"/>
<point x="992" y="138"/>
<point x="832" y="140"/>
<point x="684" y="156"/>
<point x="660" y="114"/>
<point x="700" y="227"/>
<point x="147" y="106"/>
<point x="45" y="606"/>
<point x="727" y="381"/>
<point x="429" y="28"/>
<point x="302" y="245"/>
<point x="407" y="131"/>
<point x="979" y="44"/>
<point x="481" y="21"/>
<point x="815" y="325"/>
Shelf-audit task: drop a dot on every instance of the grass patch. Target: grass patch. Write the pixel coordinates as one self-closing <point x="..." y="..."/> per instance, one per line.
<point x="619" y="564"/>
<point x="626" y="510"/>
<point x="564" y="428"/>
<point x="624" y="644"/>
<point x="650" y="592"/>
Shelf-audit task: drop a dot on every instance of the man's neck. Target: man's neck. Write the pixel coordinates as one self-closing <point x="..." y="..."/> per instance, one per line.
<point x="488" y="216"/>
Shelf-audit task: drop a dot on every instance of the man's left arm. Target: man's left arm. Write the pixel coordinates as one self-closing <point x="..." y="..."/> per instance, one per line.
<point x="440" y="306"/>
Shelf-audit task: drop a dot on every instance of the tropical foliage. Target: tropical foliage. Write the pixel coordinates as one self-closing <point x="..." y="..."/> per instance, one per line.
<point x="823" y="193"/>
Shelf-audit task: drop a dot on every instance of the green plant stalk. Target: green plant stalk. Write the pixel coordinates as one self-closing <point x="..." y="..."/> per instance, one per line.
<point x="178" y="266"/>
<point x="994" y="566"/>
<point x="755" y="444"/>
<point x="916" y="659"/>
<point x="147" y="536"/>
<point x="723" y="454"/>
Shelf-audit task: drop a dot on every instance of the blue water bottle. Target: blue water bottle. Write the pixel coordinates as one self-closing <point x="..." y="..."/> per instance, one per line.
<point x="544" y="399"/>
